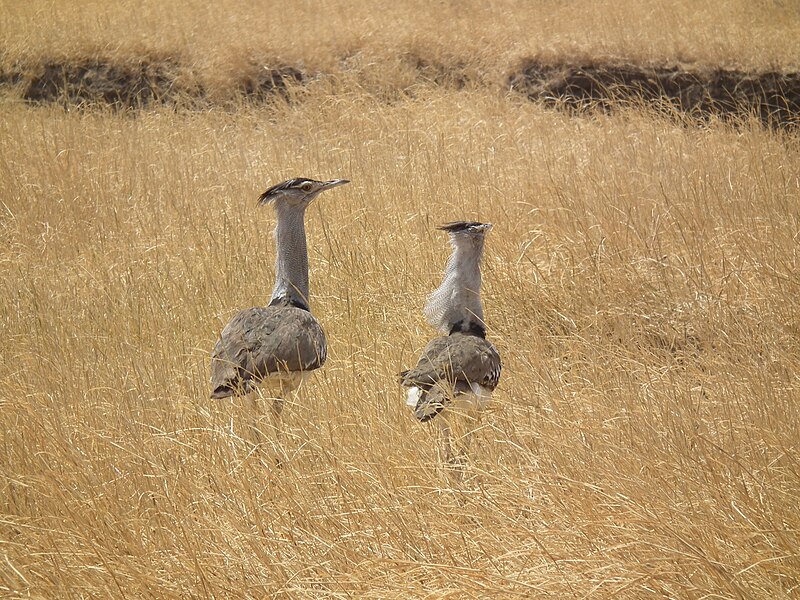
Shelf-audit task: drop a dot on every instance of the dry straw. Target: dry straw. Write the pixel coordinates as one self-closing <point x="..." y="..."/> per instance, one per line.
<point x="640" y="282"/>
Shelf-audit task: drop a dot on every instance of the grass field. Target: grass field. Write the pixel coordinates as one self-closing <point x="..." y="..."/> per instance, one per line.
<point x="640" y="283"/>
<point x="216" y="36"/>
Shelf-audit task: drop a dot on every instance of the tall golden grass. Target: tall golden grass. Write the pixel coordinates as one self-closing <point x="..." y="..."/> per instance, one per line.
<point x="218" y="38"/>
<point x="640" y="282"/>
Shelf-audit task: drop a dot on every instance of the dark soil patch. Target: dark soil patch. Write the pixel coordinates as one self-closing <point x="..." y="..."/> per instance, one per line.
<point x="261" y="81"/>
<point x="140" y="83"/>
<point x="9" y="78"/>
<point x="772" y="96"/>
<point x="129" y="84"/>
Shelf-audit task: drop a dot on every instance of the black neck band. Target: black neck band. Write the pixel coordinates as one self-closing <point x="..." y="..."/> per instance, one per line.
<point x="287" y="301"/>
<point x="469" y="328"/>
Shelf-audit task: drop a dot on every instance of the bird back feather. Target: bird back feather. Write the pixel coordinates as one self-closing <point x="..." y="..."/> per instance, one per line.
<point x="447" y="368"/>
<point x="262" y="342"/>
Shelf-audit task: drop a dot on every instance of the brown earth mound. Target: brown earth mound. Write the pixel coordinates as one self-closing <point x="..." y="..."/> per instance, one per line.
<point x="772" y="96"/>
<point x="138" y="83"/>
<point x="127" y="84"/>
<point x="261" y="81"/>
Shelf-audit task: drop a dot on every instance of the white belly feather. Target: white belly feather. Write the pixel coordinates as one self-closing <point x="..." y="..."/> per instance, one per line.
<point x="412" y="397"/>
<point x="478" y="399"/>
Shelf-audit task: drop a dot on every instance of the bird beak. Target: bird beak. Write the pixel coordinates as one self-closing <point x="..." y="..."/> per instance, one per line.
<point x="487" y="227"/>
<point x="333" y="183"/>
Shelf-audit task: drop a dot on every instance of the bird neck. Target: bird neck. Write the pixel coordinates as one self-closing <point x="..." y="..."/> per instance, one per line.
<point x="291" y="263"/>
<point x="456" y="304"/>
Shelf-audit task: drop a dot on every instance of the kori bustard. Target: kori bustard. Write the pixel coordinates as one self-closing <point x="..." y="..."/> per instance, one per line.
<point x="460" y="368"/>
<point x="278" y="345"/>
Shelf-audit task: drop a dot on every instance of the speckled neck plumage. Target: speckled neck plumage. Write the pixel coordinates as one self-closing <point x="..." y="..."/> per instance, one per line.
<point x="456" y="304"/>
<point x="291" y="262"/>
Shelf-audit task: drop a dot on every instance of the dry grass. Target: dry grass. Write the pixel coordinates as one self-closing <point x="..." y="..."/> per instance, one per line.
<point x="640" y="282"/>
<point x="221" y="38"/>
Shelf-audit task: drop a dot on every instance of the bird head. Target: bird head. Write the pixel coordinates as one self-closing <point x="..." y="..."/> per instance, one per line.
<point x="297" y="192"/>
<point x="466" y="231"/>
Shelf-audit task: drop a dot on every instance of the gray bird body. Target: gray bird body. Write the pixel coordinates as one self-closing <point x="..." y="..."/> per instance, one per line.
<point x="458" y="369"/>
<point x="276" y="345"/>
<point x="462" y="367"/>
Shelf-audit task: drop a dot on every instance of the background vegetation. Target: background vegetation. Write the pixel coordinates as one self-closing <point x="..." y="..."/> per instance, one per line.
<point x="640" y="282"/>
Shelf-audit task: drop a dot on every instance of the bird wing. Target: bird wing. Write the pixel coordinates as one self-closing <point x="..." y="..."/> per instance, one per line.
<point x="456" y="358"/>
<point x="259" y="342"/>
<point x="427" y="371"/>
<point x="448" y="367"/>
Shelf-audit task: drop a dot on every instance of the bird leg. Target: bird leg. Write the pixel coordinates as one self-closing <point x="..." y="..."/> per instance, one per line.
<point x="277" y="420"/>
<point x="276" y="425"/>
<point x="263" y="427"/>
<point x="287" y="389"/>
<point x="447" y="438"/>
<point x="257" y="436"/>
<point x="472" y="421"/>
<point x="461" y="424"/>
<point x="454" y="463"/>
<point x="277" y="408"/>
<point x="463" y="448"/>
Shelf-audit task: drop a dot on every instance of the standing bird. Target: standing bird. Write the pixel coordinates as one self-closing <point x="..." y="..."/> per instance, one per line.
<point x="277" y="345"/>
<point x="460" y="368"/>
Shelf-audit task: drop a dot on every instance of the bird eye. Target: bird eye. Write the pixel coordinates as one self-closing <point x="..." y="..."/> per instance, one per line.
<point x="306" y="187"/>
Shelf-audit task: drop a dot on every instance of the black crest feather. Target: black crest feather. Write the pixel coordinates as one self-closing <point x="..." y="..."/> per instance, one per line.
<point x="458" y="226"/>
<point x="286" y="185"/>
